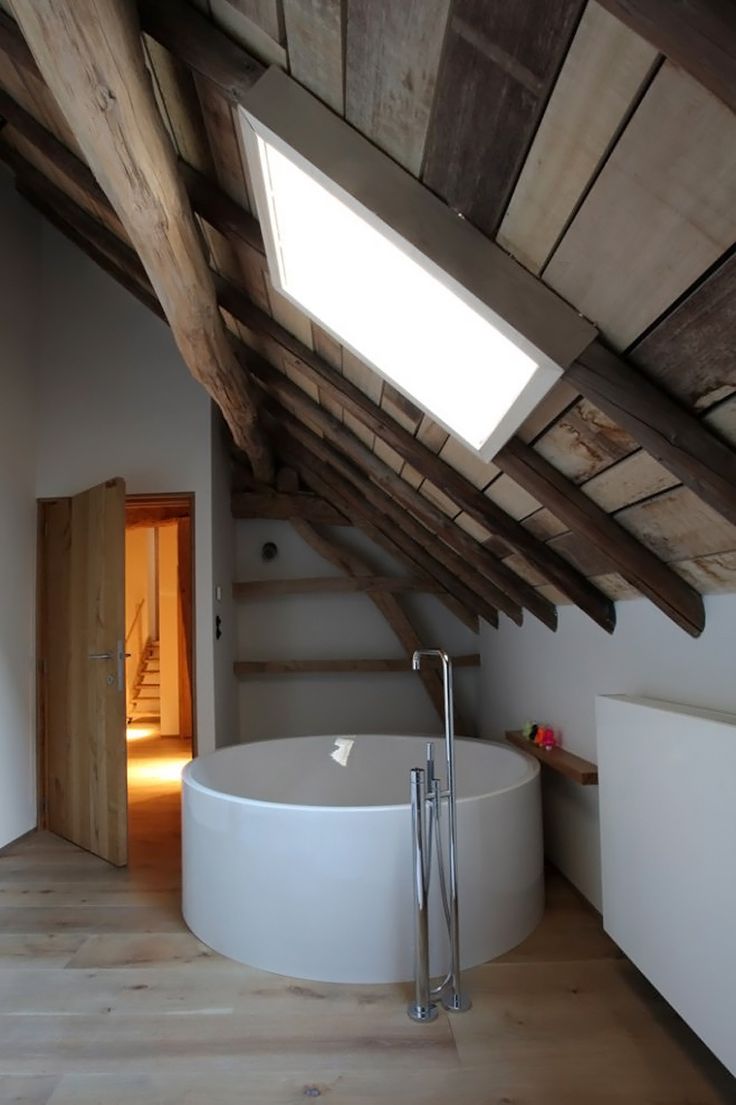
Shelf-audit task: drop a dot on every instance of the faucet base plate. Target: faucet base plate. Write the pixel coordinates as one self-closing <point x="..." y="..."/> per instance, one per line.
<point x="420" y="1013"/>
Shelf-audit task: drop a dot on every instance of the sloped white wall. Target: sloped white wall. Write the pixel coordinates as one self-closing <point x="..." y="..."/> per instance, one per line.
<point x="117" y="400"/>
<point x="529" y="672"/>
<point x="328" y="627"/>
<point x="20" y="314"/>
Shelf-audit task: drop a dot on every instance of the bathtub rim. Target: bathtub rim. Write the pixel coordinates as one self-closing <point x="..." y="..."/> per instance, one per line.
<point x="187" y="779"/>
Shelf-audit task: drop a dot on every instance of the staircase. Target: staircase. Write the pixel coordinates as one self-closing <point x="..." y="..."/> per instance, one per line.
<point x="145" y="700"/>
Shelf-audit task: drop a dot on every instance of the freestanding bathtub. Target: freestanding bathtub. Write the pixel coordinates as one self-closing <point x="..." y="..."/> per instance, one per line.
<point x="297" y="854"/>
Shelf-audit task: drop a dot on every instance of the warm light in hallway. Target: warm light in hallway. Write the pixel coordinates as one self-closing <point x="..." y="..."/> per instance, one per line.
<point x="163" y="769"/>
<point x="137" y="732"/>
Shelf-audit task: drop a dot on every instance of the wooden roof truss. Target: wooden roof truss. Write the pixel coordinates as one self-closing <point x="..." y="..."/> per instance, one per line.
<point x="591" y="500"/>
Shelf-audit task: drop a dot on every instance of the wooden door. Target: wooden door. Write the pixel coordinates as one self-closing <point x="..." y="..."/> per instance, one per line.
<point x="82" y="646"/>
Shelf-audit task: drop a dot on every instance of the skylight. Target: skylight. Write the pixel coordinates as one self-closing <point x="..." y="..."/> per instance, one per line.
<point x="395" y="305"/>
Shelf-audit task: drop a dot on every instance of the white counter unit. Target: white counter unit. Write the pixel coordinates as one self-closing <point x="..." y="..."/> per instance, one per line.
<point x="668" y="841"/>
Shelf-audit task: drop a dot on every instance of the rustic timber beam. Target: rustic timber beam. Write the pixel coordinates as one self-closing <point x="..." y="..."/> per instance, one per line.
<point x="633" y="560"/>
<point x="468" y="498"/>
<point x="331" y="667"/>
<point x="387" y="604"/>
<point x="318" y="457"/>
<point x="196" y="41"/>
<point x="373" y="512"/>
<point x="120" y="261"/>
<point x="206" y="197"/>
<point x="91" y="58"/>
<point x="332" y="585"/>
<point x="509" y="590"/>
<point x="698" y="35"/>
<point x="646" y="572"/>
<point x="671" y="433"/>
<point x="277" y="505"/>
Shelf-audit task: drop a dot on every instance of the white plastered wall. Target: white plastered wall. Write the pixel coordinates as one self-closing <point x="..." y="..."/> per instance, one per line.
<point x="117" y="400"/>
<point x="344" y="626"/>
<point x="531" y="673"/>
<point x="20" y="258"/>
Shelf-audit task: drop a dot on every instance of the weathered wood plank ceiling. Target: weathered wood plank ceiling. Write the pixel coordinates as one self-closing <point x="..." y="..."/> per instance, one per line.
<point x="602" y="164"/>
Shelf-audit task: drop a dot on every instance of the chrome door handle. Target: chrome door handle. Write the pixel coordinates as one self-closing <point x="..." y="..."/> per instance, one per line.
<point x="119" y="655"/>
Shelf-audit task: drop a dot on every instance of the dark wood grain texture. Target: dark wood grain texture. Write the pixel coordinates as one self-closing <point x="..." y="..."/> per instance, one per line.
<point x="505" y="589"/>
<point x="377" y="421"/>
<point x="668" y="431"/>
<point x="273" y="504"/>
<point x="634" y="561"/>
<point x="499" y="66"/>
<point x="690" y="352"/>
<point x="699" y="35"/>
<point x="328" y="474"/>
<point x="196" y="41"/>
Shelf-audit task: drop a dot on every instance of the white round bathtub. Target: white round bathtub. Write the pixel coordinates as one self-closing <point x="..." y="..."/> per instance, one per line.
<point x="297" y="854"/>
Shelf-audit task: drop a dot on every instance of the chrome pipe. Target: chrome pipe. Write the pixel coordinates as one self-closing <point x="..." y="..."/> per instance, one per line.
<point x="422" y="1009"/>
<point x="456" y="1001"/>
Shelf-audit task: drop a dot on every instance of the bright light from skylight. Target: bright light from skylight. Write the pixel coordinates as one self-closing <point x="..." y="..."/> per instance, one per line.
<point x="394" y="307"/>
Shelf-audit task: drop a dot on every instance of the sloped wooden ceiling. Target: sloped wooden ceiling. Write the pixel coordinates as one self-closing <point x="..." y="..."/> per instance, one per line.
<point x="596" y="143"/>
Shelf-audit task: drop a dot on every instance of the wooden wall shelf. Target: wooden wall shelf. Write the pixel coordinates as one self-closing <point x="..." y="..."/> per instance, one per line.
<point x="558" y="759"/>
<point x="322" y="667"/>
<point x="331" y="585"/>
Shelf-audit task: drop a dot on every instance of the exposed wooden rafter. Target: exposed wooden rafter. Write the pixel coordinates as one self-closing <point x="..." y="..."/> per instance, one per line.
<point x="91" y="58"/>
<point x="120" y="262"/>
<point x="640" y="567"/>
<point x="324" y="471"/>
<point x="196" y="41"/>
<point x="504" y="589"/>
<point x="285" y="507"/>
<point x="699" y="36"/>
<point x="661" y="425"/>
<point x="532" y="472"/>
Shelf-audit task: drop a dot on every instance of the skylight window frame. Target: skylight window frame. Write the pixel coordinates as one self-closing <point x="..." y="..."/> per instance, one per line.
<point x="278" y="113"/>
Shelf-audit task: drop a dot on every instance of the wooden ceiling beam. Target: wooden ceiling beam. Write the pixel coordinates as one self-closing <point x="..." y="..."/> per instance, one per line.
<point x="277" y="505"/>
<point x="91" y="58"/>
<point x="667" y="430"/>
<point x="196" y="41"/>
<point x="207" y="199"/>
<point x="468" y="498"/>
<point x="699" y="36"/>
<point x="456" y="550"/>
<point x="117" y="259"/>
<point x="636" y="563"/>
<point x="372" y="512"/>
<point x="641" y="568"/>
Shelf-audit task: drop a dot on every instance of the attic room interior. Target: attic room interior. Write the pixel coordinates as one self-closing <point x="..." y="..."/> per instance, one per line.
<point x="368" y="498"/>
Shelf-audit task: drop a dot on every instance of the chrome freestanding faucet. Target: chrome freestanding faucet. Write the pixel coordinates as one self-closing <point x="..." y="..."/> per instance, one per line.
<point x="426" y="806"/>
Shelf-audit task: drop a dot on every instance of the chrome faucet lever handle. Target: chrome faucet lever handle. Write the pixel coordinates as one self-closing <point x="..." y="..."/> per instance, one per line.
<point x="430" y="776"/>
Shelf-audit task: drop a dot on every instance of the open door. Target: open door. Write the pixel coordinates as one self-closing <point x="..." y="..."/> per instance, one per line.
<point x="82" y="652"/>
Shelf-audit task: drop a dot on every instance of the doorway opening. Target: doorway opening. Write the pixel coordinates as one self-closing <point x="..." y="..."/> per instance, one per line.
<point x="159" y="670"/>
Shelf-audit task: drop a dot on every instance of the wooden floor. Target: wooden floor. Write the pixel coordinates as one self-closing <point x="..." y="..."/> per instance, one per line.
<point x="106" y="999"/>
